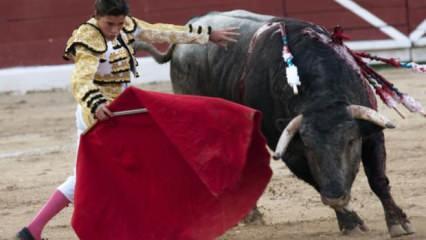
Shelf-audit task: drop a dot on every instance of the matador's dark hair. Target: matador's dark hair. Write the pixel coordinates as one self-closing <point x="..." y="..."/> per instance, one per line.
<point x="111" y="7"/>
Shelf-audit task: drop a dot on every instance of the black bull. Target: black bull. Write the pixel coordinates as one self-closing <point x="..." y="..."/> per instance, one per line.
<point x="327" y="133"/>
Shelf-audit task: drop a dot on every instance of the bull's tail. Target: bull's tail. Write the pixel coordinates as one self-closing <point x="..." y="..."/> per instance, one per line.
<point x="160" y="57"/>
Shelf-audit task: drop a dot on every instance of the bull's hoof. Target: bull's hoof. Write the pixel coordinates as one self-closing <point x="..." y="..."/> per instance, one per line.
<point x="398" y="230"/>
<point x="255" y="217"/>
<point x="358" y="230"/>
<point x="396" y="220"/>
<point x="349" y="222"/>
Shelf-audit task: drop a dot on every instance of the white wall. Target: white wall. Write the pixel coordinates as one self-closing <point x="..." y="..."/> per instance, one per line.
<point x="23" y="79"/>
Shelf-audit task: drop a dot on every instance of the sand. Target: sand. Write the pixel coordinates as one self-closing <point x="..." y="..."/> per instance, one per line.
<point x="37" y="152"/>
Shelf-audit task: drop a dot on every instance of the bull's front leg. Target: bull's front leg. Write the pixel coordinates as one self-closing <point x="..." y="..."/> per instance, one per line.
<point x="349" y="221"/>
<point x="374" y="160"/>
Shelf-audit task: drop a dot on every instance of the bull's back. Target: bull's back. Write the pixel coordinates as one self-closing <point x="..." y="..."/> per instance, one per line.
<point x="209" y="69"/>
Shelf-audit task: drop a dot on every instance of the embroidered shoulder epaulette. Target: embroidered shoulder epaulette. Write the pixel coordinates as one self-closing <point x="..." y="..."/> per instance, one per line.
<point x="87" y="35"/>
<point x="130" y="25"/>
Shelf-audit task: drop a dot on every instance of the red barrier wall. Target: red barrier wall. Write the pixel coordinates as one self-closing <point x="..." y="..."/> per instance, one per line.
<point x="34" y="32"/>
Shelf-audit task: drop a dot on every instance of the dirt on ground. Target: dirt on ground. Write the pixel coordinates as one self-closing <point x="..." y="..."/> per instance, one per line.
<point x="37" y="152"/>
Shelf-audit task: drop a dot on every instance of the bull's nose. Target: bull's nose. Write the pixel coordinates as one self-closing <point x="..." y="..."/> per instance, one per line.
<point x="333" y="190"/>
<point x="335" y="203"/>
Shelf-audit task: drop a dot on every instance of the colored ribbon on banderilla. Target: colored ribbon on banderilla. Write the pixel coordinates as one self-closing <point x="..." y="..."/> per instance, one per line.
<point x="291" y="70"/>
<point x="394" y="62"/>
<point x="387" y="92"/>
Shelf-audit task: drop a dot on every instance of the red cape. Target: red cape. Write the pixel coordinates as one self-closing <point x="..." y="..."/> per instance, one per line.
<point x="191" y="168"/>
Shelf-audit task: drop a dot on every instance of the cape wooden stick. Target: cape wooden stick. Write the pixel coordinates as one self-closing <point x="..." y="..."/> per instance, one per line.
<point x="118" y="114"/>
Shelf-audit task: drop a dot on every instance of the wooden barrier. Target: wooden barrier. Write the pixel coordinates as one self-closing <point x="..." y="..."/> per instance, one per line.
<point x="34" y="32"/>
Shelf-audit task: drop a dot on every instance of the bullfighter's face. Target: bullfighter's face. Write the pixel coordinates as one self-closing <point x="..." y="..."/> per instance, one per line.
<point x="110" y="26"/>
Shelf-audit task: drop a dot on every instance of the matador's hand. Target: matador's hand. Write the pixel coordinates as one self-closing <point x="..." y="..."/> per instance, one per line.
<point x="224" y="36"/>
<point x="103" y="113"/>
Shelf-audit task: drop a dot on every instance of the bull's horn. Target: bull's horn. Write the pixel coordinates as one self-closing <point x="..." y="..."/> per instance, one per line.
<point x="286" y="136"/>
<point x="365" y="113"/>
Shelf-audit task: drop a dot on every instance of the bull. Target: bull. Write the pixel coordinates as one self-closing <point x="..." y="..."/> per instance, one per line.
<point x="323" y="132"/>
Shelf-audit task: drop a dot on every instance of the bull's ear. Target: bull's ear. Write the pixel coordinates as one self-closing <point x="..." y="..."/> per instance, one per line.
<point x="368" y="128"/>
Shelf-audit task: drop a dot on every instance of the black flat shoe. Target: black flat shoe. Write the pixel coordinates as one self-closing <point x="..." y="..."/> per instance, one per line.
<point x="24" y="234"/>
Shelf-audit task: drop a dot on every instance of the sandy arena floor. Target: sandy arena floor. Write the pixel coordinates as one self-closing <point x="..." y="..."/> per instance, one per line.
<point x="37" y="141"/>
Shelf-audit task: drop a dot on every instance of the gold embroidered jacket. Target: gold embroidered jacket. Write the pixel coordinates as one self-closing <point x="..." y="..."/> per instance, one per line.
<point x="102" y="68"/>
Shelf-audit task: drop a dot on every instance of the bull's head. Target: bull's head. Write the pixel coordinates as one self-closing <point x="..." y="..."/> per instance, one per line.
<point x="333" y="153"/>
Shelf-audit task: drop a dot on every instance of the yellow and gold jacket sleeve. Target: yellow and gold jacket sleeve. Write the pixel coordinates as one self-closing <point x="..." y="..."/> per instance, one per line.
<point x="169" y="33"/>
<point x="86" y="93"/>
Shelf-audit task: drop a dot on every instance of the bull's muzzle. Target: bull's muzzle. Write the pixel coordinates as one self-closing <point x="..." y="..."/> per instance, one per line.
<point x="336" y="203"/>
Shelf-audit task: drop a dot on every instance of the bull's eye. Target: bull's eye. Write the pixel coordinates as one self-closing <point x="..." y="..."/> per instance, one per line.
<point x="352" y="142"/>
<point x="306" y="146"/>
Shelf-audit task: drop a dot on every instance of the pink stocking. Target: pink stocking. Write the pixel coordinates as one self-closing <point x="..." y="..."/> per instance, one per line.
<point x="53" y="206"/>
